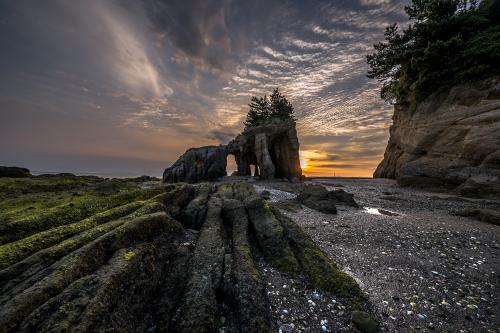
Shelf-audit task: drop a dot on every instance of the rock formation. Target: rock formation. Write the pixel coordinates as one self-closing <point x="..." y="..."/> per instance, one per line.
<point x="273" y="149"/>
<point x="170" y="258"/>
<point x="198" y="164"/>
<point x="14" y="172"/>
<point x="451" y="139"/>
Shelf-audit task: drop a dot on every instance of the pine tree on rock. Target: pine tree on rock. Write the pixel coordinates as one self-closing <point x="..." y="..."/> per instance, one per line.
<point x="280" y="107"/>
<point x="259" y="112"/>
<point x="264" y="110"/>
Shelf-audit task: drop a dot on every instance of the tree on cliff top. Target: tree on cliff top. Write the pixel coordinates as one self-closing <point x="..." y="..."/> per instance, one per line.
<point x="448" y="42"/>
<point x="259" y="111"/>
<point x="263" y="110"/>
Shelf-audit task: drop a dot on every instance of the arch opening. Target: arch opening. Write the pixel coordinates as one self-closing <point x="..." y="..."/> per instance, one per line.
<point x="231" y="166"/>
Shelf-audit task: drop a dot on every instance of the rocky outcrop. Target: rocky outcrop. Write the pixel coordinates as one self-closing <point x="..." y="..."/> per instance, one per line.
<point x="451" y="139"/>
<point x="14" y="172"/>
<point x="198" y="164"/>
<point x="171" y="258"/>
<point x="273" y="150"/>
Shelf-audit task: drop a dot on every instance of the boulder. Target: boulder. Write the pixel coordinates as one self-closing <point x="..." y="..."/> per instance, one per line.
<point x="14" y="172"/>
<point x="450" y="140"/>
<point x="319" y="198"/>
<point x="197" y="165"/>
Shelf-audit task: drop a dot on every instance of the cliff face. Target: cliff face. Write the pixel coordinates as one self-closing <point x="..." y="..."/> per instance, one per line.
<point x="273" y="149"/>
<point x="451" y="139"/>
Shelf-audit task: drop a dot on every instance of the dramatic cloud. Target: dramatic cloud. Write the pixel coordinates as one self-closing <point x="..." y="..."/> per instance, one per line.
<point x="126" y="86"/>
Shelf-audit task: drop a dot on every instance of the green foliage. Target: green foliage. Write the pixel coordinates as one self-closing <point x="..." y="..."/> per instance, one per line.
<point x="259" y="111"/>
<point x="279" y="106"/>
<point x="448" y="42"/>
<point x="264" y="110"/>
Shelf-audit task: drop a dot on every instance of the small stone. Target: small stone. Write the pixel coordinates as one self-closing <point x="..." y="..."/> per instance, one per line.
<point x="286" y="328"/>
<point x="420" y="316"/>
<point x="364" y="322"/>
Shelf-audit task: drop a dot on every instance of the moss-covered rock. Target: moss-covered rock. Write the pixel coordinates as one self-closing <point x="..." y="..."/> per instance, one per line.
<point x="318" y="267"/>
<point x="13" y="252"/>
<point x="69" y="212"/>
<point x="112" y="256"/>
<point x="488" y="215"/>
<point x="270" y="235"/>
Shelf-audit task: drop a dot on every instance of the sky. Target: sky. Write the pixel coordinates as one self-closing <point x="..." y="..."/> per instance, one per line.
<point x="124" y="87"/>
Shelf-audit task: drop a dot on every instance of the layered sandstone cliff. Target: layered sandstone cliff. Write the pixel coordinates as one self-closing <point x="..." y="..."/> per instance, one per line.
<point x="451" y="139"/>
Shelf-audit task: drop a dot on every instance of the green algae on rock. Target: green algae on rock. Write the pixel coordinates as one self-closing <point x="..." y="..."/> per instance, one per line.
<point x="179" y="257"/>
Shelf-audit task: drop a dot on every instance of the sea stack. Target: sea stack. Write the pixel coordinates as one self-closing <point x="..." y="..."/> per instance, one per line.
<point x="272" y="148"/>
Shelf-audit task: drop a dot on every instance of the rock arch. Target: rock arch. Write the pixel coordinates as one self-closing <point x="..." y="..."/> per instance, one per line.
<point x="273" y="148"/>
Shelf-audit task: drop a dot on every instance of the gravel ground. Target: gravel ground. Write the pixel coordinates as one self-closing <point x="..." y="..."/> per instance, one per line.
<point x="296" y="306"/>
<point x="275" y="195"/>
<point x="422" y="268"/>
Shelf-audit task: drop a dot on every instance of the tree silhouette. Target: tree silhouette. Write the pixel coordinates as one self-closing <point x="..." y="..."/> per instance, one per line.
<point x="264" y="110"/>
<point x="448" y="42"/>
<point x="259" y="111"/>
<point x="279" y="106"/>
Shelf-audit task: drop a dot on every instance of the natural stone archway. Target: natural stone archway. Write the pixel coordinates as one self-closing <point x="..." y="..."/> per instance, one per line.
<point x="272" y="148"/>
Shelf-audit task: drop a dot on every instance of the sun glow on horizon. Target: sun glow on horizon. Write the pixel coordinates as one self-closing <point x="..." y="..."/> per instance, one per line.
<point x="303" y="164"/>
<point x="319" y="164"/>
